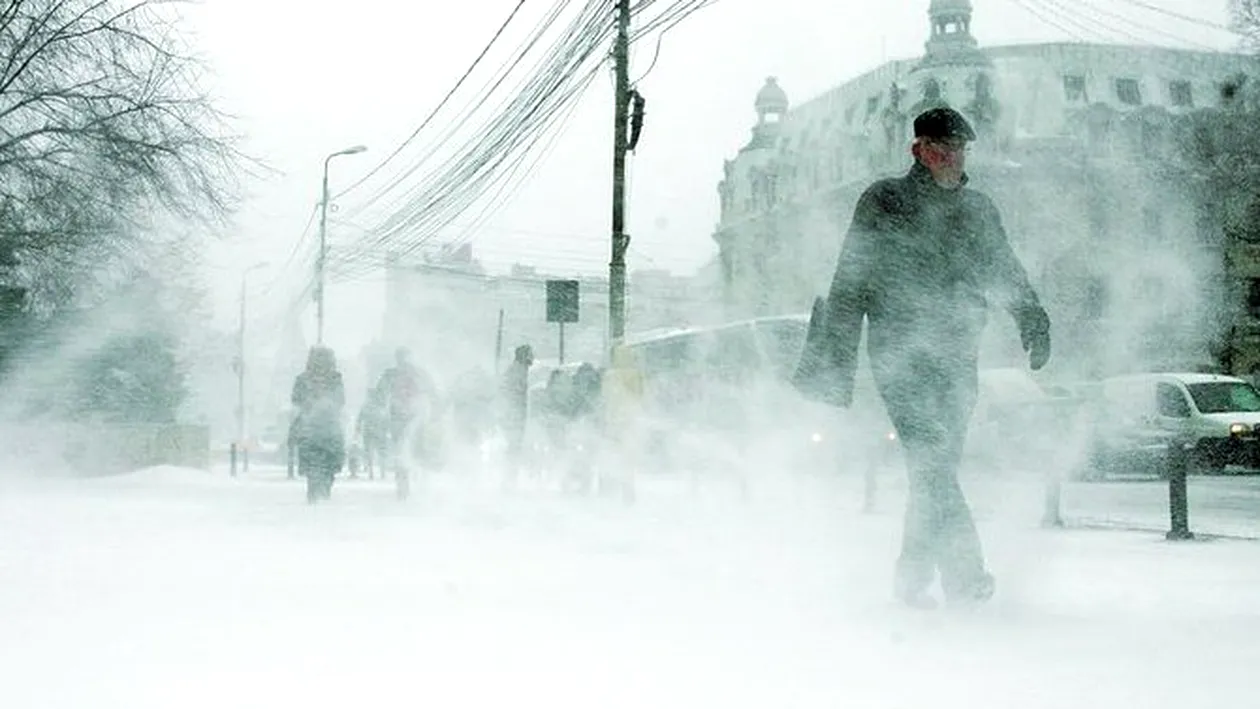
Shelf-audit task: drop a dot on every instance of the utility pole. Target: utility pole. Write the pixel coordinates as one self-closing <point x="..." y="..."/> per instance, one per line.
<point x="322" y="257"/>
<point x="620" y="240"/>
<point x="241" y="429"/>
<point x="240" y="371"/>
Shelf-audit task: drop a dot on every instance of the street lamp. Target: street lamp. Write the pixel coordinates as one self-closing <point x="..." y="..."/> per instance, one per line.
<point x="322" y="257"/>
<point x="240" y="363"/>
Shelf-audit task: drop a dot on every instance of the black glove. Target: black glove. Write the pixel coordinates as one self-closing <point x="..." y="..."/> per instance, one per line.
<point x="1034" y="333"/>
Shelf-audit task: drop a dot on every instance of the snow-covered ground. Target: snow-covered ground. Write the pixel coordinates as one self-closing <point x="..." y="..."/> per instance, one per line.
<point x="177" y="588"/>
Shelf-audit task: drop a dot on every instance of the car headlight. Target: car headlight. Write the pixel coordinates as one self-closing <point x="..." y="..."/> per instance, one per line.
<point x="1239" y="429"/>
<point x="816" y="438"/>
<point x="892" y="435"/>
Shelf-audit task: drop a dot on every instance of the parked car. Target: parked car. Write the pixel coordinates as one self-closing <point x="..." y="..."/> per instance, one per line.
<point x="1134" y="419"/>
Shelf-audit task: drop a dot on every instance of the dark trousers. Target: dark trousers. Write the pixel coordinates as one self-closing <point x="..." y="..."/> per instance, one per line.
<point x="319" y="461"/>
<point x="930" y="404"/>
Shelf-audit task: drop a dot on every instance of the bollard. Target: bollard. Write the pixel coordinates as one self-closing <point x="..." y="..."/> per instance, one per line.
<point x="232" y="456"/>
<point x="1178" y="462"/>
<point x="1052" y="515"/>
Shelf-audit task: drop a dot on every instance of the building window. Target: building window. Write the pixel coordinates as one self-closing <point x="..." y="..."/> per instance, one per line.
<point x="1074" y="88"/>
<point x="1229" y="90"/>
<point x="1129" y="92"/>
<point x="1181" y="94"/>
<point x="1253" y="297"/>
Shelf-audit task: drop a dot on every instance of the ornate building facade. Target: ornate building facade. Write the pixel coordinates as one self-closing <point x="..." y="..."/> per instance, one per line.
<point x="1079" y="145"/>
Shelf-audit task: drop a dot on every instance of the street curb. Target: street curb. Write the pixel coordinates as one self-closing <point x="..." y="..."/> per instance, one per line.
<point x="1103" y="525"/>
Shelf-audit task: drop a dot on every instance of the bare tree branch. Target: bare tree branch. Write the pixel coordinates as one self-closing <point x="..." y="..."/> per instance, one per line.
<point x="103" y="127"/>
<point x="1245" y="20"/>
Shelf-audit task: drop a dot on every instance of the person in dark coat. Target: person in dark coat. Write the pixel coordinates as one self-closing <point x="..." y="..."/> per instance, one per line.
<point x="319" y="396"/>
<point x="372" y="430"/>
<point x="514" y="407"/>
<point x="410" y="403"/>
<point x="923" y="260"/>
<point x="585" y="428"/>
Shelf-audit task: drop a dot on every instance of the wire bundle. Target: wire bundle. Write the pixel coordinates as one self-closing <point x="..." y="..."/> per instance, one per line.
<point x="486" y="148"/>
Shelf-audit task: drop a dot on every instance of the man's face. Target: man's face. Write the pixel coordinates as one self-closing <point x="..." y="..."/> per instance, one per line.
<point x="946" y="159"/>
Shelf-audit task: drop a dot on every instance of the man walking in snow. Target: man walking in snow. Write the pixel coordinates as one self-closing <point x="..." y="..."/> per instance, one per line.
<point x="923" y="259"/>
<point x="410" y="395"/>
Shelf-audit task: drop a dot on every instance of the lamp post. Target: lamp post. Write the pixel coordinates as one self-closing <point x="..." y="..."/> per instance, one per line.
<point x="322" y="257"/>
<point x="240" y="369"/>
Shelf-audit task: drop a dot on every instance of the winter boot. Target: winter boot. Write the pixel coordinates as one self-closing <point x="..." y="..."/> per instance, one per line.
<point x="978" y="591"/>
<point x="911" y="583"/>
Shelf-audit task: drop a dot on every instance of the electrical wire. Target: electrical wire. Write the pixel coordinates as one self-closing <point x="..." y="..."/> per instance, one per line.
<point x="1179" y="16"/>
<point x="293" y="253"/>
<point x="1082" y="9"/>
<point x="492" y="162"/>
<point x="522" y="52"/>
<point x="1041" y="11"/>
<point x="492" y="126"/>
<point x="640" y="7"/>
<point x="511" y="170"/>
<point x="495" y="202"/>
<point x="464" y="177"/>
<point x="441" y="104"/>
<point x="672" y="15"/>
<point x="499" y="201"/>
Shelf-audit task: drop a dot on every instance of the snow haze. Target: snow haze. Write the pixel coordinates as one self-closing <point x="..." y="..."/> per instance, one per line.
<point x="171" y="587"/>
<point x="155" y="552"/>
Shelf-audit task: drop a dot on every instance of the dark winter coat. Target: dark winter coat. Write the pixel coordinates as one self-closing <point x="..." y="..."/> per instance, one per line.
<point x="409" y="391"/>
<point x="373" y="422"/>
<point x="921" y="264"/>
<point x="319" y="399"/>
<point x="514" y="390"/>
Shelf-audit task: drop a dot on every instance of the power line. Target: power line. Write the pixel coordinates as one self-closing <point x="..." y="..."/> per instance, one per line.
<point x="456" y="180"/>
<point x="464" y="177"/>
<point x="293" y="253"/>
<point x="498" y="202"/>
<point x="1086" y="7"/>
<point x="409" y="245"/>
<point x="505" y="115"/>
<point x="1041" y="13"/>
<point x="437" y="109"/>
<point x="494" y="161"/>
<point x="1179" y="16"/>
<point x="672" y="15"/>
<point x="462" y="117"/>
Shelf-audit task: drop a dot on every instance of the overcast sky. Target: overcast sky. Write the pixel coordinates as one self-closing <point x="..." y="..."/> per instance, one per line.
<point x="308" y="78"/>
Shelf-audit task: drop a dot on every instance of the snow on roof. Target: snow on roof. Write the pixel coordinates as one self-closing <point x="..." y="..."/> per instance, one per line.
<point x="1183" y="377"/>
<point x="668" y="332"/>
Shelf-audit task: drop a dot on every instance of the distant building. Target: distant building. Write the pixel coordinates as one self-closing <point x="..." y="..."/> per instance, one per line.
<point x="1075" y="145"/>
<point x="448" y="309"/>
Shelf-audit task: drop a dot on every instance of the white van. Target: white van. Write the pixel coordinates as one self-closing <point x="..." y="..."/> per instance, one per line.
<point x="1134" y="418"/>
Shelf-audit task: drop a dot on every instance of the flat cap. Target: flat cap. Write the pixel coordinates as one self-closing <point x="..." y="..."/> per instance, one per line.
<point x="942" y="123"/>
